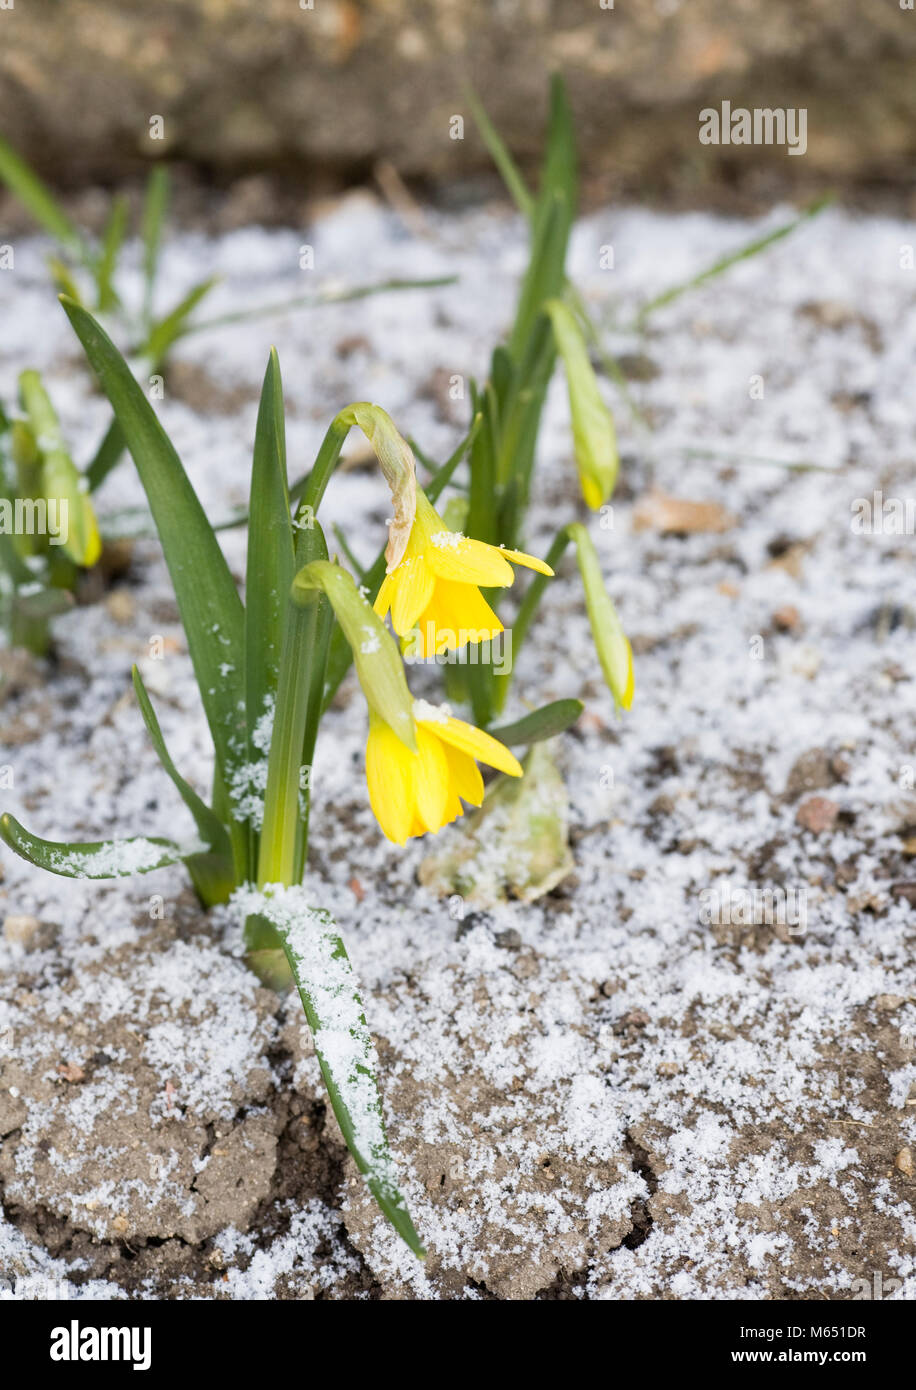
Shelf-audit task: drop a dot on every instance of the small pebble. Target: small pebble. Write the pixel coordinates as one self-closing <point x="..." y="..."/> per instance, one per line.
<point x="904" y="1161"/>
<point x="121" y="606"/>
<point x="817" y="814"/>
<point x="20" y="930"/>
<point x="787" y="618"/>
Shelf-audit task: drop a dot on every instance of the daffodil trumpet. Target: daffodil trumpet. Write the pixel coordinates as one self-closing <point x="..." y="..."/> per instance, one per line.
<point x="415" y="792"/>
<point x="435" y="588"/>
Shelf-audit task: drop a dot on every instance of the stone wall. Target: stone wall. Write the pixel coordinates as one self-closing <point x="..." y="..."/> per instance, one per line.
<point x="328" y="91"/>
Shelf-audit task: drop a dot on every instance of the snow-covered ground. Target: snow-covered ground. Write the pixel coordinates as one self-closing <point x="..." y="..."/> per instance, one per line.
<point x="602" y="1095"/>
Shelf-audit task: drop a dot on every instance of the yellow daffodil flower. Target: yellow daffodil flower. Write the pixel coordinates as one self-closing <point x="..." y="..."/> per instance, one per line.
<point x="436" y="585"/>
<point x="412" y="793"/>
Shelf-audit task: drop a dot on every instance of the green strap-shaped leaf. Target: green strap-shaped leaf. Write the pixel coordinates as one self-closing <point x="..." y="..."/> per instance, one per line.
<point x="298" y="702"/>
<point x="270" y="565"/>
<point x="137" y="854"/>
<point x="112" y="241"/>
<point x="316" y="641"/>
<point x="208" y="601"/>
<point x="540" y="723"/>
<point x="212" y="869"/>
<point x="40" y="202"/>
<point x="330" y="997"/>
<point x="560" y="173"/>
<point x="545" y="275"/>
<point x="154" y="206"/>
<point x="270" y="550"/>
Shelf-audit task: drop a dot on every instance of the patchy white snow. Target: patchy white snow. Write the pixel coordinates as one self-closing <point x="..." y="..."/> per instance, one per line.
<point x="642" y="1020"/>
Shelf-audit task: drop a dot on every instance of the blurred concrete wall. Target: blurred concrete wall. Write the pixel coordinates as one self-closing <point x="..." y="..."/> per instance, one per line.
<point x="330" y="89"/>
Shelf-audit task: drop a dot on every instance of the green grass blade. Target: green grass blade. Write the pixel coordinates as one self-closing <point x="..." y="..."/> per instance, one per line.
<point x="542" y="723"/>
<point x="38" y="199"/>
<point x="443" y="476"/>
<point x="94" y="858"/>
<point x="212" y="869"/>
<point x="545" y="275"/>
<point x="208" y="602"/>
<point x="330" y="997"/>
<point x="106" y="456"/>
<point x="527" y="609"/>
<point x="522" y="416"/>
<point x="315" y="300"/>
<point x="166" y="331"/>
<point x="509" y="171"/>
<point x="112" y="241"/>
<point x="154" y="209"/>
<point x="743" y="253"/>
<point x="348" y="554"/>
<point x="484" y="455"/>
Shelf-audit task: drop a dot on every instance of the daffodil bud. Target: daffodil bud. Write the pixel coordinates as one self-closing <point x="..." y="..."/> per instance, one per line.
<point x="611" y="643"/>
<point x="59" y="482"/>
<point x="396" y="461"/>
<point x="594" y="436"/>
<point x="375" y="655"/>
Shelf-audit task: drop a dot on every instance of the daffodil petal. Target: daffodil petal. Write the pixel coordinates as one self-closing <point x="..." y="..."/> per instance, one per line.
<point x="479" y="745"/>
<point x="465" y="775"/>
<point x="519" y="557"/>
<point x="391" y="778"/>
<point x="459" y="614"/>
<point x="465" y="561"/>
<point x="413" y="588"/>
<point x="432" y="781"/>
<point x="384" y="596"/>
